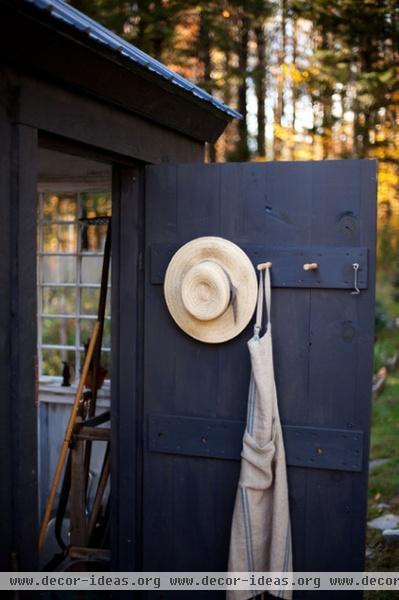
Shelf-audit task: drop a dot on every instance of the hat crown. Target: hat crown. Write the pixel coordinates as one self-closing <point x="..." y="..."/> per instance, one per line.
<point x="206" y="290"/>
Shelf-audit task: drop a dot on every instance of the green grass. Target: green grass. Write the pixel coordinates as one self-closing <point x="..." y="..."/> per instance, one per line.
<point x="384" y="484"/>
<point x="386" y="346"/>
<point x="387" y="294"/>
<point x="385" y="423"/>
<point x="384" y="479"/>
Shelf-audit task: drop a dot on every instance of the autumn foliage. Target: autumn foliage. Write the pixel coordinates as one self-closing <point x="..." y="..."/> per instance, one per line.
<point x="313" y="79"/>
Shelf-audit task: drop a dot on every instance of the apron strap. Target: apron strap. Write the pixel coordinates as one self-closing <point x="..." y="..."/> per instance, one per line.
<point x="264" y="291"/>
<point x="268" y="294"/>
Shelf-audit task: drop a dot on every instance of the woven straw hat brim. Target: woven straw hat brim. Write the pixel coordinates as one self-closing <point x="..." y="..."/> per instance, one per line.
<point x="242" y="276"/>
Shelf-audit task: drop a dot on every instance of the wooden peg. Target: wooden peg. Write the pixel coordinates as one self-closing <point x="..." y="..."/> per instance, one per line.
<point x="263" y="266"/>
<point x="310" y="266"/>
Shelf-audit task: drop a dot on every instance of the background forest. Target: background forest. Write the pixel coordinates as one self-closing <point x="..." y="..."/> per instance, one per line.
<point x="313" y="80"/>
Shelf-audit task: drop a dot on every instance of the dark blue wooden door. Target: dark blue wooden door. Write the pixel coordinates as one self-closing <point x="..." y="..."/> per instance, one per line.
<point x="195" y="394"/>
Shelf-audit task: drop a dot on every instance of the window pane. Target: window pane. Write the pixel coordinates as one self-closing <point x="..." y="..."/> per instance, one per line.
<point x="59" y="207"/>
<point x="52" y="362"/>
<point x="58" y="331"/>
<point x="86" y="330"/>
<point x="58" y="269"/>
<point x="91" y="269"/>
<point x="96" y="204"/>
<point x="93" y="238"/>
<point x="59" y="238"/>
<point x="59" y="300"/>
<point x="89" y="300"/>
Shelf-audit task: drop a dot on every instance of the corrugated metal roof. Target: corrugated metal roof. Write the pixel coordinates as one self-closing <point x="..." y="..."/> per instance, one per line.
<point x="60" y="10"/>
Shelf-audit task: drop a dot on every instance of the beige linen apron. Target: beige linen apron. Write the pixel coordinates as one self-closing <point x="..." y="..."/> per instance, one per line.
<point x="261" y="532"/>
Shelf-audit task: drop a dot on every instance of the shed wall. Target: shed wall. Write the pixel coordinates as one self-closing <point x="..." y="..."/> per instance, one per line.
<point x="31" y="109"/>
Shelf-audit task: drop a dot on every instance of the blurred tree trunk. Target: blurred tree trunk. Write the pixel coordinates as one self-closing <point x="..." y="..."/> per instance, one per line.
<point x="242" y="145"/>
<point x="367" y="115"/>
<point x="295" y="90"/>
<point x="230" y="132"/>
<point x="204" y="51"/>
<point x="326" y="93"/>
<point x="279" y="109"/>
<point x="260" y="87"/>
<point x="204" y="55"/>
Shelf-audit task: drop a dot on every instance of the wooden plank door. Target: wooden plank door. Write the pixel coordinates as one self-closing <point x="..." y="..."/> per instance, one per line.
<point x="195" y="394"/>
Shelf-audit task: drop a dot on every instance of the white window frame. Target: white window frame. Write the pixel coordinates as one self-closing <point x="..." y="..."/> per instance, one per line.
<point x="77" y="188"/>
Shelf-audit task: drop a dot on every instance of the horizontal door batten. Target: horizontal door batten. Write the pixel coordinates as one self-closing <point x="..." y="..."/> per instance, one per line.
<point x="335" y="265"/>
<point x="314" y="447"/>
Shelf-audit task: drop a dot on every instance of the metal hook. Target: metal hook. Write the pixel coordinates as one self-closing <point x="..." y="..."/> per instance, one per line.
<point x="355" y="273"/>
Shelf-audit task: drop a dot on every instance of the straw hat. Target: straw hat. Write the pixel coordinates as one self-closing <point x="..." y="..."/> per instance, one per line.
<point x="211" y="289"/>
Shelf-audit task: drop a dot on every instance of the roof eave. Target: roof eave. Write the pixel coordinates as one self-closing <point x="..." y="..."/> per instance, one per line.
<point x="60" y="10"/>
<point x="129" y="85"/>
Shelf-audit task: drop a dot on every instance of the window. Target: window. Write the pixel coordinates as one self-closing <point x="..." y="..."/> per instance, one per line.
<point x="69" y="275"/>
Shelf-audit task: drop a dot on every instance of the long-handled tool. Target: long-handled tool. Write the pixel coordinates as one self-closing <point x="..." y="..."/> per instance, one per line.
<point x="68" y="436"/>
<point x="100" y="318"/>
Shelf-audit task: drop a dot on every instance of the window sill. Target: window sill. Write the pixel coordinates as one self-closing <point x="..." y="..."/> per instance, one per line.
<point x="54" y="393"/>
